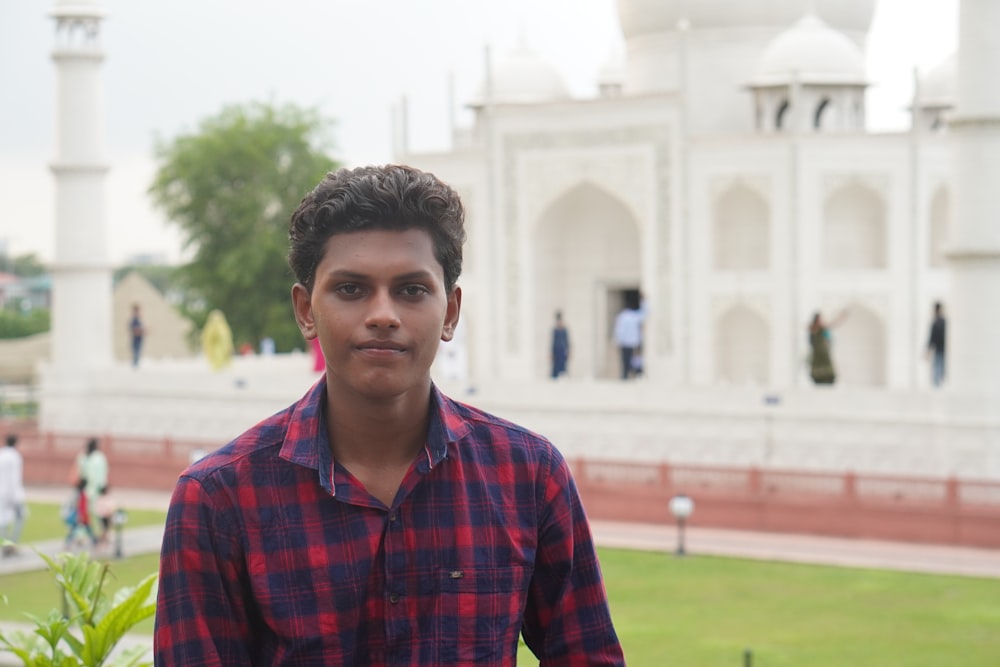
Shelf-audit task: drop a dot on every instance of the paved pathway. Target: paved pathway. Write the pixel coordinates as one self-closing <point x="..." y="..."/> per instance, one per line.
<point x="935" y="559"/>
<point x="873" y="554"/>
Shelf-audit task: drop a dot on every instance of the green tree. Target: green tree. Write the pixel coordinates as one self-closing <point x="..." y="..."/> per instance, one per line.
<point x="27" y="266"/>
<point x="17" y="324"/>
<point x="231" y="188"/>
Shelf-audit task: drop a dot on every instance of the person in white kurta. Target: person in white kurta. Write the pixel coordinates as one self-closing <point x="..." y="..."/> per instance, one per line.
<point x="12" y="503"/>
<point x="93" y="467"/>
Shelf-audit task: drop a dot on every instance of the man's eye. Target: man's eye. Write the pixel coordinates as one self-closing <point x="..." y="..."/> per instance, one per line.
<point x="348" y="289"/>
<point x="414" y="290"/>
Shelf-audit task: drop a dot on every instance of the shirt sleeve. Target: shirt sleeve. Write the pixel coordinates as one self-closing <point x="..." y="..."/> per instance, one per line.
<point x="567" y="620"/>
<point x="202" y="603"/>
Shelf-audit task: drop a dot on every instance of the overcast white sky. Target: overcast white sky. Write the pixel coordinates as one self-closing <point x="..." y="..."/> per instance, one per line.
<point x="172" y="63"/>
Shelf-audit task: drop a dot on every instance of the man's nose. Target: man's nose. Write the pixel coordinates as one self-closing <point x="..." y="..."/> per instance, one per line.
<point x="382" y="312"/>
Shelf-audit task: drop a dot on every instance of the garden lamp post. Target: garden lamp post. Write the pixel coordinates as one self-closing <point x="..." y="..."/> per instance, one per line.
<point x="681" y="506"/>
<point x="118" y="520"/>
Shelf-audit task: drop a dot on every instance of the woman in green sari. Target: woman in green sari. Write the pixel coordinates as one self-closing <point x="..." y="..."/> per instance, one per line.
<point x="821" y="367"/>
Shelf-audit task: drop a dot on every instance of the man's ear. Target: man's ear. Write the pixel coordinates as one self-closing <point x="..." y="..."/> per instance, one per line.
<point x="302" y="304"/>
<point x="451" y="314"/>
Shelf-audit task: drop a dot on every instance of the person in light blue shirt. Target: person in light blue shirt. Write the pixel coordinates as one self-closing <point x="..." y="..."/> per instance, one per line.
<point x="628" y="333"/>
<point x="560" y="347"/>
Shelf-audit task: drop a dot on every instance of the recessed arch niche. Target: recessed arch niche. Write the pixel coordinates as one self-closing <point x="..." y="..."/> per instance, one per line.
<point x="742" y="352"/>
<point x="741" y="238"/>
<point x="854" y="229"/>
<point x="858" y="348"/>
<point x="586" y="252"/>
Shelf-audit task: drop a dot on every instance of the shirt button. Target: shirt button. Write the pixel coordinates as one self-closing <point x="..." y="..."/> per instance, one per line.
<point x="394" y="598"/>
<point x="392" y="517"/>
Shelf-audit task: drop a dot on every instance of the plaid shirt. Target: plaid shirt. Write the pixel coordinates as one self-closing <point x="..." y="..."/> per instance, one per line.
<point x="275" y="555"/>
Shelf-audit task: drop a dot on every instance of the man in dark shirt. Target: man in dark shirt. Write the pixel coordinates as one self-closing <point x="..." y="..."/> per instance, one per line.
<point x="377" y="521"/>
<point x="136" y="331"/>
<point x="935" y="346"/>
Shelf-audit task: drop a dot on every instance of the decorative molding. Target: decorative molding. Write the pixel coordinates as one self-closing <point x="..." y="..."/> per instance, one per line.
<point x="875" y="304"/>
<point x="877" y="182"/>
<point x="972" y="255"/>
<point x="960" y="123"/>
<point x="548" y="178"/>
<point x="759" y="184"/>
<point x="758" y="304"/>
<point x="549" y="183"/>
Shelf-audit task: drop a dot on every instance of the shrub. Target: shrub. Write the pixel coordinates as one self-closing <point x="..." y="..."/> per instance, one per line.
<point x="85" y="633"/>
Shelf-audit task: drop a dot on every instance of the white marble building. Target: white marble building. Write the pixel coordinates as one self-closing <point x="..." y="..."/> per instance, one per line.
<point x="724" y="169"/>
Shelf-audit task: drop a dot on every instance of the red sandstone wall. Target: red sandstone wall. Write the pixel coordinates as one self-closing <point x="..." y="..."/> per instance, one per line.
<point x="943" y="511"/>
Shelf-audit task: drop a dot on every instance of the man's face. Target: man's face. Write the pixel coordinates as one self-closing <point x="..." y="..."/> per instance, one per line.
<point x="379" y="308"/>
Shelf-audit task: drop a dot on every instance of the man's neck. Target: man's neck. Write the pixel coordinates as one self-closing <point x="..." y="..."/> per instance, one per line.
<point x="377" y="433"/>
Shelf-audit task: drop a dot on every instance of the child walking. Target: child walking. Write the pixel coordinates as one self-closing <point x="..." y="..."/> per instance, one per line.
<point x="78" y="519"/>
<point x="105" y="508"/>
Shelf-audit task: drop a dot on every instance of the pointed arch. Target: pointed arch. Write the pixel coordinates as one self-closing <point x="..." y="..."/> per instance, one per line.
<point x="818" y="115"/>
<point x="742" y="352"/>
<point x="780" y="114"/>
<point x="741" y="230"/>
<point x="854" y="230"/>
<point x="586" y="244"/>
<point x="858" y="348"/>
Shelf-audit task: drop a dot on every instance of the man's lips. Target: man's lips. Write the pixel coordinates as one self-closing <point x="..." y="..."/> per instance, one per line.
<point x="381" y="346"/>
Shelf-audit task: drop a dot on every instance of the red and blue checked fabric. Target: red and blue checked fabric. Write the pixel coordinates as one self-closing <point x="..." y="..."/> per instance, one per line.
<point x="275" y="555"/>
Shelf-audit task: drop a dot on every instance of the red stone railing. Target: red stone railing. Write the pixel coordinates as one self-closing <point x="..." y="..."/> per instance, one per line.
<point x="943" y="510"/>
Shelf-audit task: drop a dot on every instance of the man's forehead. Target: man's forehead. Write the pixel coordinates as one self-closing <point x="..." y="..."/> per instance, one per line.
<point x="415" y="246"/>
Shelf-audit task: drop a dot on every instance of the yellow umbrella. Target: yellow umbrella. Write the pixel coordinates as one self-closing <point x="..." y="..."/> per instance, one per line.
<point x="217" y="340"/>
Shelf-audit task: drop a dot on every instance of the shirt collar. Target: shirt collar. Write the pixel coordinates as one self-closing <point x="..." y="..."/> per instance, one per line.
<point x="306" y="440"/>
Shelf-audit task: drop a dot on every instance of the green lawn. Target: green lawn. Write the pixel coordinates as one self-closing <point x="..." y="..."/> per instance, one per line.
<point x="702" y="611"/>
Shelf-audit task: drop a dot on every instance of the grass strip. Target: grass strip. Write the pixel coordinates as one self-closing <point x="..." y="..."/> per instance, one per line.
<point x="705" y="611"/>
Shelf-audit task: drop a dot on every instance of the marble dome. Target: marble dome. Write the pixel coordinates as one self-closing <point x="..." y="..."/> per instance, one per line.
<point x="522" y="77"/>
<point x="646" y="17"/>
<point x="811" y="52"/>
<point x="939" y="86"/>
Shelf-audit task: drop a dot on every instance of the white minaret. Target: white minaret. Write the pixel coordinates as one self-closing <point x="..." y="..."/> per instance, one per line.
<point x="973" y="308"/>
<point x="81" y="272"/>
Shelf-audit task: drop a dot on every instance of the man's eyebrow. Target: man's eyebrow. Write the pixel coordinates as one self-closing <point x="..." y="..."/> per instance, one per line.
<point x="344" y="274"/>
<point x="347" y="275"/>
<point x="414" y="275"/>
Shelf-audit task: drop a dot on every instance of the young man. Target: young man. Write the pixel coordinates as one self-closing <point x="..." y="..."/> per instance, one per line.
<point x="376" y="521"/>
<point x="935" y="345"/>
<point x="628" y="334"/>
<point x="137" y="331"/>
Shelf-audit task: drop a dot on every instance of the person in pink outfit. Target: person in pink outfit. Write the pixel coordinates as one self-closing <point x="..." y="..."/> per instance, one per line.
<point x="319" y="362"/>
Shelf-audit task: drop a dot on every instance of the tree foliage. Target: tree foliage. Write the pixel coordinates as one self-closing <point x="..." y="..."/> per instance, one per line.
<point x="18" y="324"/>
<point x="23" y="266"/>
<point x="231" y="188"/>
